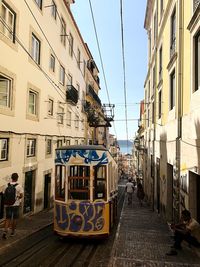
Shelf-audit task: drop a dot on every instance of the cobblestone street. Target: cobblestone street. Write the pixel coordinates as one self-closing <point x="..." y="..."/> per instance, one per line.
<point x="143" y="239"/>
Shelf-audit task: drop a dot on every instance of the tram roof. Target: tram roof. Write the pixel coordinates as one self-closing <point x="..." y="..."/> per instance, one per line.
<point x="83" y="147"/>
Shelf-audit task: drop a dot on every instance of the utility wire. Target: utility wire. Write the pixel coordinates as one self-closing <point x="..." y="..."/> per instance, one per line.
<point x="124" y="68"/>
<point x="101" y="60"/>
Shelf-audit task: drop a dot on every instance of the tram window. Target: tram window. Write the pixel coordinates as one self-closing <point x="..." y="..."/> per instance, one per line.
<point x="60" y="182"/>
<point x="100" y="182"/>
<point x="79" y="182"/>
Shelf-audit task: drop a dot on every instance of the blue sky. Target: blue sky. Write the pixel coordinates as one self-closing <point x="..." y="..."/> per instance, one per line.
<point x="108" y="25"/>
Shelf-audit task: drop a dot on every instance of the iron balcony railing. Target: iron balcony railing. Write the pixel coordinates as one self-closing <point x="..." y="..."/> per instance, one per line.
<point x="72" y="94"/>
<point x="91" y="92"/>
<point x="195" y="4"/>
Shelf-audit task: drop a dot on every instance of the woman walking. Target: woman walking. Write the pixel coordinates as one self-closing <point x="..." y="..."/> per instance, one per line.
<point x="140" y="193"/>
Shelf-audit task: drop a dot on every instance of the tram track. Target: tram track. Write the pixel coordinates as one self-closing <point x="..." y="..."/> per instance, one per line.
<point x="44" y="249"/>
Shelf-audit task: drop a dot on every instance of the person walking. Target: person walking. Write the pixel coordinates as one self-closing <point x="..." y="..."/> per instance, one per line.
<point x="12" y="200"/>
<point x="129" y="191"/>
<point x="140" y="193"/>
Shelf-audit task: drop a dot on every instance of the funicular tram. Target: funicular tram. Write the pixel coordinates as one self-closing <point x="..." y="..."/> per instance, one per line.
<point x="86" y="179"/>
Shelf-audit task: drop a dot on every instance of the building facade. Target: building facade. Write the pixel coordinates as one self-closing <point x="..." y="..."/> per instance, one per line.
<point x="44" y="77"/>
<point x="172" y="103"/>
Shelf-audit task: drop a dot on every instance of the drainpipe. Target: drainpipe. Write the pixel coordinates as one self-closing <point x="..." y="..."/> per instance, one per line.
<point x="179" y="107"/>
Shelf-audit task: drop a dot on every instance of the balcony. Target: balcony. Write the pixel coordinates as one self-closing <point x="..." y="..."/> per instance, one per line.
<point x="72" y="95"/>
<point x="91" y="92"/>
<point x="195" y="4"/>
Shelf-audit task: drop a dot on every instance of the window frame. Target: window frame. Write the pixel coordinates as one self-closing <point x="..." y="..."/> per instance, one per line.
<point x="31" y="147"/>
<point x="39" y="3"/>
<point x="52" y="63"/>
<point x="62" y="75"/>
<point x="10" y="34"/>
<point x="69" y="118"/>
<point x="60" y="115"/>
<point x="8" y="92"/>
<point x="71" y="44"/>
<point x="196" y="62"/>
<point x="4" y="150"/>
<point x="54" y="10"/>
<point x="172" y="89"/>
<point x="63" y="32"/>
<point x="34" y="104"/>
<point x="35" y="48"/>
<point x="159" y="104"/>
<point x="173" y="33"/>
<point x="48" y="146"/>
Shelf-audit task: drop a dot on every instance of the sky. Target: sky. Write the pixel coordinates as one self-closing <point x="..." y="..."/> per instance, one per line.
<point x="108" y="26"/>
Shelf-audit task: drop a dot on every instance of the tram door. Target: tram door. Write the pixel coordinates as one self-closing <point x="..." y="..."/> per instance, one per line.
<point x="47" y="190"/>
<point x="28" y="191"/>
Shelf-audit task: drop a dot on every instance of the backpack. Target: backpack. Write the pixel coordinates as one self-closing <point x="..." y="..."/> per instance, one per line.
<point x="10" y="194"/>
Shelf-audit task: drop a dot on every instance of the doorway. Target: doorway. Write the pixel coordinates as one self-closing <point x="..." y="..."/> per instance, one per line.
<point x="47" y="190"/>
<point x="158" y="183"/>
<point x="169" y="212"/>
<point x="194" y="195"/>
<point x="29" y="191"/>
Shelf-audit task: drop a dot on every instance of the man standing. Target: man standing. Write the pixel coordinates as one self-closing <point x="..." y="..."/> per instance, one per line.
<point x="12" y="207"/>
<point x="129" y="190"/>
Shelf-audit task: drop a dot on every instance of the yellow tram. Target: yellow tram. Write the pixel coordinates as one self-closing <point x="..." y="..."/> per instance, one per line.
<point x="86" y="179"/>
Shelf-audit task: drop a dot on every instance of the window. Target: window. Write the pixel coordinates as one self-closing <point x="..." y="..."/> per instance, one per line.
<point x="60" y="182"/>
<point x="48" y="146"/>
<point x="54" y="10"/>
<point x="69" y="118"/>
<point x="172" y="90"/>
<point x="161" y="8"/>
<point x="197" y="61"/>
<point x="50" y="107"/>
<point x="154" y="79"/>
<point x="84" y="67"/>
<point x="59" y="143"/>
<point x="35" y="49"/>
<point x="5" y="91"/>
<point x="71" y="44"/>
<point x="39" y="3"/>
<point x="8" y="21"/>
<point x="173" y="34"/>
<point x="63" y="32"/>
<point x="62" y="75"/>
<point x="79" y="182"/>
<point x="31" y="147"/>
<point x="76" y="142"/>
<point x="152" y="120"/>
<point x="79" y="58"/>
<point x="3" y="149"/>
<point x="32" y="104"/>
<point x="100" y="182"/>
<point x="159" y="104"/>
<point x="148" y="122"/>
<point x="149" y="90"/>
<point x="76" y="121"/>
<point x="154" y="29"/>
<point x="70" y="80"/>
<point x="52" y="63"/>
<point x="160" y="64"/>
<point x="68" y="142"/>
<point x="78" y="90"/>
<point x="60" y="115"/>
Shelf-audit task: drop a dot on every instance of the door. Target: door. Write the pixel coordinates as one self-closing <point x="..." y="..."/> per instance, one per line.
<point x="47" y="190"/>
<point x="169" y="211"/>
<point x="28" y="191"/>
<point x="194" y="195"/>
<point x="158" y="183"/>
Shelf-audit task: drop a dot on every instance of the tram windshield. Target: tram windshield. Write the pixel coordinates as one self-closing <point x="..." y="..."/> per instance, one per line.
<point x="79" y="182"/>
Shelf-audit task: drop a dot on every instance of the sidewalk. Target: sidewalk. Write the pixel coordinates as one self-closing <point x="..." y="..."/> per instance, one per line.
<point x="26" y="226"/>
<point x="143" y="239"/>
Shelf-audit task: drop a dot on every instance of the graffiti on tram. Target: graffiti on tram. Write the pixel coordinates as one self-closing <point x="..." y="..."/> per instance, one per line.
<point x="86" y="156"/>
<point x="82" y="216"/>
